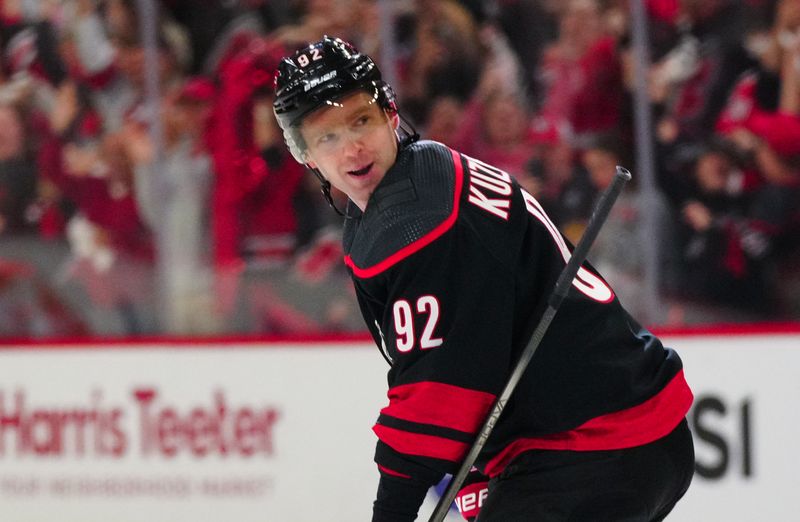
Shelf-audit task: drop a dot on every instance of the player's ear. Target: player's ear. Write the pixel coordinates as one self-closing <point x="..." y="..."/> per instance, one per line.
<point x="394" y="119"/>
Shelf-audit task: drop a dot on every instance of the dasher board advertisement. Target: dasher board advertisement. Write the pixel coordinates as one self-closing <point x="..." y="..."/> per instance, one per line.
<point x="173" y="431"/>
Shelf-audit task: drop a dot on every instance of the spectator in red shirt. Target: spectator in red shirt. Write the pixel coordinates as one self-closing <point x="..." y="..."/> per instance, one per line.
<point x="583" y="74"/>
<point x="762" y="115"/>
<point x="112" y="248"/>
<point x="496" y="128"/>
<point x="255" y="224"/>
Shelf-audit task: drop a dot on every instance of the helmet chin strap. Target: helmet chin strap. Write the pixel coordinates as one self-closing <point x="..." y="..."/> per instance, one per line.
<point x="326" y="191"/>
<point x="411" y="134"/>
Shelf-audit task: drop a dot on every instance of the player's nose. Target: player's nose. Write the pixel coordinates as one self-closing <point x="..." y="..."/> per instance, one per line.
<point x="352" y="146"/>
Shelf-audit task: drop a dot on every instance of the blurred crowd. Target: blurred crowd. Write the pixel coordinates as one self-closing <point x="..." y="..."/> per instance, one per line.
<point x="140" y="200"/>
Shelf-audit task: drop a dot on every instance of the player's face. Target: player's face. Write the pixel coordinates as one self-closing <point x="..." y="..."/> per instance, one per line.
<point x="353" y="143"/>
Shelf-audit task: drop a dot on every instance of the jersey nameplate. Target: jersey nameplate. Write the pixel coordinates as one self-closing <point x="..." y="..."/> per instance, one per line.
<point x="489" y="188"/>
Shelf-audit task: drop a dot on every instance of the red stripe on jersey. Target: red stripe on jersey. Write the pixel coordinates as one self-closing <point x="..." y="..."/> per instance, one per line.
<point x="392" y="472"/>
<point x="439" y="404"/>
<point x="420" y="445"/>
<point x="425" y="240"/>
<point x="636" y="426"/>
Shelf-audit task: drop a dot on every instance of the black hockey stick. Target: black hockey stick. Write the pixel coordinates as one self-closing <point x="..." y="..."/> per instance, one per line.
<point x="563" y="283"/>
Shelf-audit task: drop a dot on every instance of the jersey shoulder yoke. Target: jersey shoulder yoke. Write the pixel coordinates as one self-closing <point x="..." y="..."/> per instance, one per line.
<point x="413" y="206"/>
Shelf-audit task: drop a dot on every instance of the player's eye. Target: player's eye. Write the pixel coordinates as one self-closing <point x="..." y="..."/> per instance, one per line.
<point x="362" y="120"/>
<point x="326" y="139"/>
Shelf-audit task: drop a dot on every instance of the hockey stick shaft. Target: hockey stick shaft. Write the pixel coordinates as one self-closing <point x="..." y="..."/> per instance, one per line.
<point x="560" y="291"/>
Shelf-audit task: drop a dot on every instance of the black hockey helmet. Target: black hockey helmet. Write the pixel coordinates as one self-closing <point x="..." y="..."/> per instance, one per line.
<point x="318" y="75"/>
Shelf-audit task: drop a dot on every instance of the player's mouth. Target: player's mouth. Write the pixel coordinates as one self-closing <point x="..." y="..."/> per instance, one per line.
<point x="361" y="171"/>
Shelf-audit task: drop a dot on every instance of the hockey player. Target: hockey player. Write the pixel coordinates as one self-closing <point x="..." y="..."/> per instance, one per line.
<point x="453" y="264"/>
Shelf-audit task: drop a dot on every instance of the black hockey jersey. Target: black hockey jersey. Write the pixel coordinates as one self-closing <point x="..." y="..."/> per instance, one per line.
<point x="453" y="264"/>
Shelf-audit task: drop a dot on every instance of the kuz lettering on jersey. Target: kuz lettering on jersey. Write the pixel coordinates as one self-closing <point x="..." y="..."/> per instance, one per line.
<point x="485" y="179"/>
<point x="489" y="188"/>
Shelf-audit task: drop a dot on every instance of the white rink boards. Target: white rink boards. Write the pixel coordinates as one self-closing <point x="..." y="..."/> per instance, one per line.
<point x="281" y="432"/>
